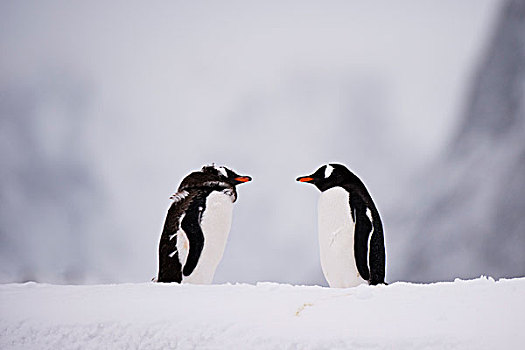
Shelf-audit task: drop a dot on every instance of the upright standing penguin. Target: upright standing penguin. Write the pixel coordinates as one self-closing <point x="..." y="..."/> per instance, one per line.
<point x="350" y="230"/>
<point x="197" y="225"/>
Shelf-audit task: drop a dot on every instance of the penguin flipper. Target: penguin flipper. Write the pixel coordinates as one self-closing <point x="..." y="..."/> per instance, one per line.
<point x="370" y="258"/>
<point x="377" y="256"/>
<point x="362" y="230"/>
<point x="191" y="224"/>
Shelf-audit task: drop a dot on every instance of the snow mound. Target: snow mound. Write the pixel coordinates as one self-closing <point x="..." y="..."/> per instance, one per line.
<point x="474" y="314"/>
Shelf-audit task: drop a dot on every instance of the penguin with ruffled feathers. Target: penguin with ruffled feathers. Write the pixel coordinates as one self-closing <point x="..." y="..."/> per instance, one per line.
<point x="197" y="225"/>
<point x="351" y="238"/>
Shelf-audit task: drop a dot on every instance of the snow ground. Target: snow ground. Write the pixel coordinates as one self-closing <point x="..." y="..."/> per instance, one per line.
<point x="473" y="314"/>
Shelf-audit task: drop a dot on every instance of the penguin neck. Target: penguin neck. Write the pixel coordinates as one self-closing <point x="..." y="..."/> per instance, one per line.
<point x="214" y="185"/>
<point x="335" y="201"/>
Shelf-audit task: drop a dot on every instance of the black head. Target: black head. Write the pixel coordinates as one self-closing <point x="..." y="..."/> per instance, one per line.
<point x="212" y="175"/>
<point x="328" y="176"/>
<point x="222" y="173"/>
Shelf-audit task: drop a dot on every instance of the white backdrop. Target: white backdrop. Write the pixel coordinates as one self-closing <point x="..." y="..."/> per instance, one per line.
<point x="105" y="107"/>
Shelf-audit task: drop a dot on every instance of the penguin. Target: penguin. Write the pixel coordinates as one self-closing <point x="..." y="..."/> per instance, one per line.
<point x="197" y="225"/>
<point x="350" y="231"/>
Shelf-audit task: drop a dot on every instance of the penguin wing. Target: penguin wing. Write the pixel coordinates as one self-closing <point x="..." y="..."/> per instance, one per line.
<point x="369" y="246"/>
<point x="376" y="256"/>
<point x="191" y="224"/>
<point x="362" y="230"/>
<point x="170" y="269"/>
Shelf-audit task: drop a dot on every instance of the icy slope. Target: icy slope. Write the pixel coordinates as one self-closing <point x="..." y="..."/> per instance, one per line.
<point x="476" y="314"/>
<point x="470" y="205"/>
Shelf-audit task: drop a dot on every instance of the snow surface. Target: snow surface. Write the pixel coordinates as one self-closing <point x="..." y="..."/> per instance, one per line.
<point x="474" y="314"/>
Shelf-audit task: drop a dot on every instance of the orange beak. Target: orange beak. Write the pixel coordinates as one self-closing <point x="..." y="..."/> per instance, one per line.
<point x="243" y="179"/>
<point x="305" y="179"/>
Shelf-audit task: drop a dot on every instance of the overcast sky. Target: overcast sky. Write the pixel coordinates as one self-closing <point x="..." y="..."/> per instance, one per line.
<point x="133" y="96"/>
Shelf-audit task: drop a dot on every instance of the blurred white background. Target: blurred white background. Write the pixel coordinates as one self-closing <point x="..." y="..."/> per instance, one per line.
<point x="105" y="107"/>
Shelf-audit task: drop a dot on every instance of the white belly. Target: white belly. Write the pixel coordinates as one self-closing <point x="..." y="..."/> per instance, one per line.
<point x="336" y="239"/>
<point x="215" y="224"/>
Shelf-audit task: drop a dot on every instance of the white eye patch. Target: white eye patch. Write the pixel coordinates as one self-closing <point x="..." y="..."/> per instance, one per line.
<point x="328" y="171"/>
<point x="222" y="170"/>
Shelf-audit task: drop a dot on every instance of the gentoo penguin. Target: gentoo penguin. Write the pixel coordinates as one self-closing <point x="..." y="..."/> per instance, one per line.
<point x="197" y="225"/>
<point x="350" y="229"/>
